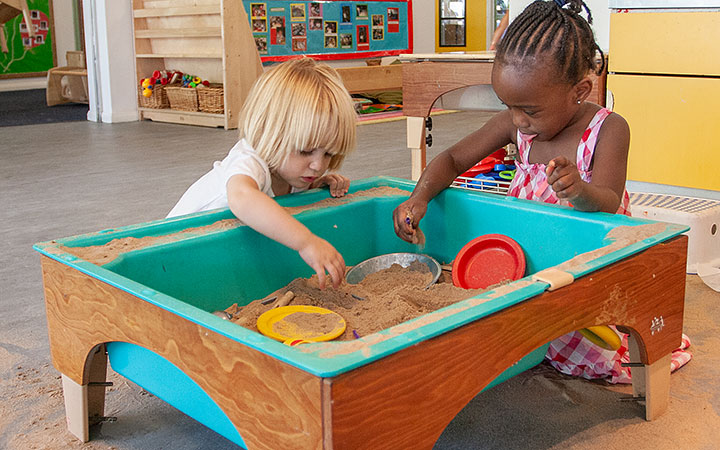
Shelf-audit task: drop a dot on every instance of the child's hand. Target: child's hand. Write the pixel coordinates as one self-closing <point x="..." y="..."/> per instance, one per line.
<point x="337" y="184"/>
<point x="564" y="178"/>
<point x="406" y="218"/>
<point x="322" y="257"/>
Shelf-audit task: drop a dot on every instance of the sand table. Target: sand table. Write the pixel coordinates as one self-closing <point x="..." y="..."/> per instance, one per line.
<point x="381" y="300"/>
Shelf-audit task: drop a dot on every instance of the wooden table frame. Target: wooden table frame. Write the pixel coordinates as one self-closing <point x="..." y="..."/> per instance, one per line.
<point x="426" y="77"/>
<point x="404" y="400"/>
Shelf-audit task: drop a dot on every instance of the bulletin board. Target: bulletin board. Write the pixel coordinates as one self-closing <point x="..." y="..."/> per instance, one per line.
<point x="331" y="29"/>
<point x="27" y="55"/>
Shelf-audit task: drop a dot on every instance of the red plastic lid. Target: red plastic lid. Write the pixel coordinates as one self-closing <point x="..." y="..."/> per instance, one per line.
<point x="487" y="164"/>
<point x="488" y="260"/>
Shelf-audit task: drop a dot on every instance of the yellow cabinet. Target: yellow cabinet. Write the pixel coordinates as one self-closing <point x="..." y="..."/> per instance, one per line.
<point x="674" y="125"/>
<point x="681" y="43"/>
<point x="664" y="77"/>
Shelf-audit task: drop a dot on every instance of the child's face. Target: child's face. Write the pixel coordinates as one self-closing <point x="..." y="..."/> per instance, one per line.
<point x="540" y="104"/>
<point x="302" y="168"/>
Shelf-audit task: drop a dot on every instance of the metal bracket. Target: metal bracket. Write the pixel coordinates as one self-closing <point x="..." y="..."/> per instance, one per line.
<point x="556" y="278"/>
<point x="631" y="364"/>
<point x="632" y="399"/>
<point x="94" y="420"/>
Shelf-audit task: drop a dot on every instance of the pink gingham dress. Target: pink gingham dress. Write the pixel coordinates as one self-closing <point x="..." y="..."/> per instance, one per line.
<point x="530" y="182"/>
<point x="572" y="354"/>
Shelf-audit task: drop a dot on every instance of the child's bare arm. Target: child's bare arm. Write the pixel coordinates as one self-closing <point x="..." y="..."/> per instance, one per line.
<point x="445" y="167"/>
<point x="264" y="215"/>
<point x="605" y="192"/>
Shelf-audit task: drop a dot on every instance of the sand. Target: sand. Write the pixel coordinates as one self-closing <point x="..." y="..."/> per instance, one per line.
<point x="383" y="299"/>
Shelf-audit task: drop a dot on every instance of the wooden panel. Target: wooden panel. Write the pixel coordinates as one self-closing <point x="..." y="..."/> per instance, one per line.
<point x="424" y="82"/>
<point x="407" y="399"/>
<point x="665" y="42"/>
<point x="273" y="405"/>
<point x="372" y="78"/>
<point x="241" y="61"/>
<point x="180" y="55"/>
<point x="183" y="117"/>
<point x="178" y="33"/>
<point x="180" y="11"/>
<point x="673" y="126"/>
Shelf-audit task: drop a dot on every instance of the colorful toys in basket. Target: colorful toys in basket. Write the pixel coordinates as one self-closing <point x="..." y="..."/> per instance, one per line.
<point x="161" y="77"/>
<point x="193" y="81"/>
<point x="492" y="173"/>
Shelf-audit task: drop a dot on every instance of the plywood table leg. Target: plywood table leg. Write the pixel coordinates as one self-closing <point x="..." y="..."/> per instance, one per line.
<point x="416" y="144"/>
<point x="76" y="408"/>
<point x="85" y="404"/>
<point x="657" y="387"/>
<point x="651" y="381"/>
<point x="53" y="94"/>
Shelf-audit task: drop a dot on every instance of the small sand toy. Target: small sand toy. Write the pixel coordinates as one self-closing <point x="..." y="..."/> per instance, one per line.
<point x="358" y="272"/>
<point x="301" y="323"/>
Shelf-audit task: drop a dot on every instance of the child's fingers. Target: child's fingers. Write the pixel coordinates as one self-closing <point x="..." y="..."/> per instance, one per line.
<point x="336" y="275"/>
<point x="567" y="185"/>
<point x="555" y="165"/>
<point x="321" y="277"/>
<point x="338" y="185"/>
<point x="558" y="168"/>
<point x="342" y="185"/>
<point x="550" y="168"/>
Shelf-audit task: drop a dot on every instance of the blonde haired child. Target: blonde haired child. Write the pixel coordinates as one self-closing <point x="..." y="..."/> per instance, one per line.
<point x="570" y="151"/>
<point x="297" y="123"/>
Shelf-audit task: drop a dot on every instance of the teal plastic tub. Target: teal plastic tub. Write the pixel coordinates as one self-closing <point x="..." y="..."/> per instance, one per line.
<point x="193" y="268"/>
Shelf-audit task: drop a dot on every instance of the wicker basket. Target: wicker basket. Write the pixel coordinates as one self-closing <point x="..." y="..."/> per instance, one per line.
<point x="182" y="98"/>
<point x="211" y="99"/>
<point x="158" y="99"/>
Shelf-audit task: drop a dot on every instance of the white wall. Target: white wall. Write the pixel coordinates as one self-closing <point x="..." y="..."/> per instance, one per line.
<point x="110" y="60"/>
<point x="64" y="35"/>
<point x="600" y="12"/>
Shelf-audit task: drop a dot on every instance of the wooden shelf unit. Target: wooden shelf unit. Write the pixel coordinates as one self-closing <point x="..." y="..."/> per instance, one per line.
<point x="207" y="38"/>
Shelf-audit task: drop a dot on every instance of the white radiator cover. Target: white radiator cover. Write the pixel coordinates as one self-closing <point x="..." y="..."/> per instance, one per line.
<point x="701" y="215"/>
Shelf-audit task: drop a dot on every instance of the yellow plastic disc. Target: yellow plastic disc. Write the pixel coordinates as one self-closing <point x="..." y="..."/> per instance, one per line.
<point x="603" y="336"/>
<point x="308" y="323"/>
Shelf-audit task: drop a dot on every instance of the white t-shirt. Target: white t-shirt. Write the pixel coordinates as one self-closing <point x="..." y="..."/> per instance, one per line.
<point x="210" y="191"/>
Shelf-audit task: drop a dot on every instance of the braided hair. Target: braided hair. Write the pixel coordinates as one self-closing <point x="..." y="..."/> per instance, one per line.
<point x="553" y="29"/>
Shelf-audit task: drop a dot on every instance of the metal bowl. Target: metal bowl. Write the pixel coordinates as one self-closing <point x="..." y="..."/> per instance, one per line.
<point x="358" y="272"/>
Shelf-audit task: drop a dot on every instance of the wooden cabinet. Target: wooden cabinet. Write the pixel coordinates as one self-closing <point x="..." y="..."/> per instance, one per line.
<point x="207" y="38"/>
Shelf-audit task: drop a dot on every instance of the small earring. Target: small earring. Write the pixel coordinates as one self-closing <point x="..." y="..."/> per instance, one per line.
<point x="579" y="101"/>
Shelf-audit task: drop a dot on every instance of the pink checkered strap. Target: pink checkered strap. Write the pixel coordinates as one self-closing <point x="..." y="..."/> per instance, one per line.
<point x="530" y="182"/>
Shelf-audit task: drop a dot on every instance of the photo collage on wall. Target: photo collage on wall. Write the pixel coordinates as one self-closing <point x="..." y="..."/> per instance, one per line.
<point x="320" y="26"/>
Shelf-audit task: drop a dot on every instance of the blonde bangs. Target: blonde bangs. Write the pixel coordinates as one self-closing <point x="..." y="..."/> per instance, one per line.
<point x="299" y="105"/>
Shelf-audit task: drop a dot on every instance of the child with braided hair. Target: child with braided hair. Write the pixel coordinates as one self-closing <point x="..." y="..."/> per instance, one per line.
<point x="570" y="151"/>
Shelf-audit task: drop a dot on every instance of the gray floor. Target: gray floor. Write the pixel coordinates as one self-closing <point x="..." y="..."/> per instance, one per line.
<point x="64" y="179"/>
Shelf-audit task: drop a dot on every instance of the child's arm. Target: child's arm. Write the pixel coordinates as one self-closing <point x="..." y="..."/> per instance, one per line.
<point x="444" y="168"/>
<point x="337" y="184"/>
<point x="605" y="191"/>
<point x="264" y="215"/>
